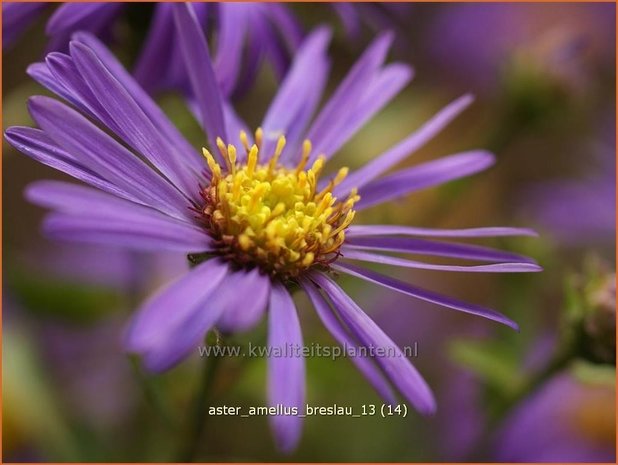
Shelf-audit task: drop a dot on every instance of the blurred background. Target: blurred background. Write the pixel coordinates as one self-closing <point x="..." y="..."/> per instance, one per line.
<point x="544" y="80"/>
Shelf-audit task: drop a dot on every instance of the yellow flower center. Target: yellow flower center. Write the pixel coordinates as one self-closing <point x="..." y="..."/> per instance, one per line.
<point x="267" y="215"/>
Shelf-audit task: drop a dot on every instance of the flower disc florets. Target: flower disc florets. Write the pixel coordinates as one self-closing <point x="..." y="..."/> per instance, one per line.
<point x="274" y="217"/>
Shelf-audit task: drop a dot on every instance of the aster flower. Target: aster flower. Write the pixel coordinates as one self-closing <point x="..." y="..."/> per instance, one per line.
<point x="16" y="17"/>
<point x="582" y="212"/>
<point x="478" y="42"/>
<point x="247" y="35"/>
<point x="252" y="213"/>
<point x="568" y="420"/>
<point x="378" y="16"/>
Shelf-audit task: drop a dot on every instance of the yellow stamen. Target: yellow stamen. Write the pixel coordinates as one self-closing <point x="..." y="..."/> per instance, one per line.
<point x="278" y="150"/>
<point x="269" y="216"/>
<point x="304" y="157"/>
<point x="259" y="136"/>
<point x="212" y="164"/>
<point x="244" y="140"/>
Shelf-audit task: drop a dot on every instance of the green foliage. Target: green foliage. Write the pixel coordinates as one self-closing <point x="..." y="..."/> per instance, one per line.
<point x="51" y="296"/>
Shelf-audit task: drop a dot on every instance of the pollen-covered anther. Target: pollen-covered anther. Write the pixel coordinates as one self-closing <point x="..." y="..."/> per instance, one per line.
<point x="264" y="214"/>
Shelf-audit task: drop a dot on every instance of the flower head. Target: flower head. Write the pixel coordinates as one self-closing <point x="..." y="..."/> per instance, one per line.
<point x="254" y="209"/>
<point x="272" y="217"/>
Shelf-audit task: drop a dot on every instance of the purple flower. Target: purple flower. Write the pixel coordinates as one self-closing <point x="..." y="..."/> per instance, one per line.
<point x="377" y="15"/>
<point x="478" y="42"/>
<point x="255" y="217"/>
<point x="247" y="35"/>
<point x="93" y="17"/>
<point x="581" y="212"/>
<point x="253" y="31"/>
<point x="16" y="17"/>
<point x="568" y="420"/>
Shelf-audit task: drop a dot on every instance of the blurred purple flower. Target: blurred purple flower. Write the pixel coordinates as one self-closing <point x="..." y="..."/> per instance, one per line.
<point x="254" y="221"/>
<point x="16" y="17"/>
<point x="93" y="370"/>
<point x="477" y="42"/>
<point x="568" y="420"/>
<point x="379" y="16"/>
<point x="582" y="211"/>
<point x="247" y="34"/>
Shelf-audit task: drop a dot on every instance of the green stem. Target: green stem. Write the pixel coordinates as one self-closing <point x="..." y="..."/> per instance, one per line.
<point x="197" y="420"/>
<point x="152" y="394"/>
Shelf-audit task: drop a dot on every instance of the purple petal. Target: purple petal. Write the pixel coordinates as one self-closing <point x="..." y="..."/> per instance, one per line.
<point x="380" y="91"/>
<point x="350" y="253"/>
<point x="77" y="199"/>
<point x="178" y="146"/>
<point x="423" y="294"/>
<point x="172" y="322"/>
<point x="16" y="17"/>
<point x="103" y="155"/>
<point x="152" y="67"/>
<point x="41" y="74"/>
<point x="350" y="18"/>
<point x="396" y="366"/>
<point x="138" y="129"/>
<point x="298" y="96"/>
<point x="392" y="230"/>
<point x="254" y="287"/>
<point x="233" y="25"/>
<point x="199" y="68"/>
<point x="133" y="232"/>
<point x="258" y="42"/>
<point x="285" y="23"/>
<point x="345" y="98"/>
<point x="286" y="373"/>
<point x="440" y="249"/>
<point x="365" y="366"/>
<point x="38" y="146"/>
<point x="426" y="175"/>
<point x="70" y="17"/>
<point x="403" y="149"/>
<point x="68" y="80"/>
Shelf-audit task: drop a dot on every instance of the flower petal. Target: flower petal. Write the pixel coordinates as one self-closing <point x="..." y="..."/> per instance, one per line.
<point x="233" y="25"/>
<point x="338" y="108"/>
<point x="82" y="200"/>
<point x="158" y="65"/>
<point x="103" y="155"/>
<point x="201" y="73"/>
<point x="435" y="248"/>
<point x="178" y="145"/>
<point x="70" y="17"/>
<point x="134" y="232"/>
<point x="393" y="230"/>
<point x="172" y="322"/>
<point x="396" y="366"/>
<point x="41" y="73"/>
<point x="403" y="149"/>
<point x="298" y="96"/>
<point x="248" y="312"/>
<point x="137" y="128"/>
<point x="38" y="146"/>
<point x="286" y="374"/>
<point x="16" y="17"/>
<point x="351" y="254"/>
<point x="381" y="90"/>
<point x="426" y="175"/>
<point x="365" y="366"/>
<point x="423" y="294"/>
